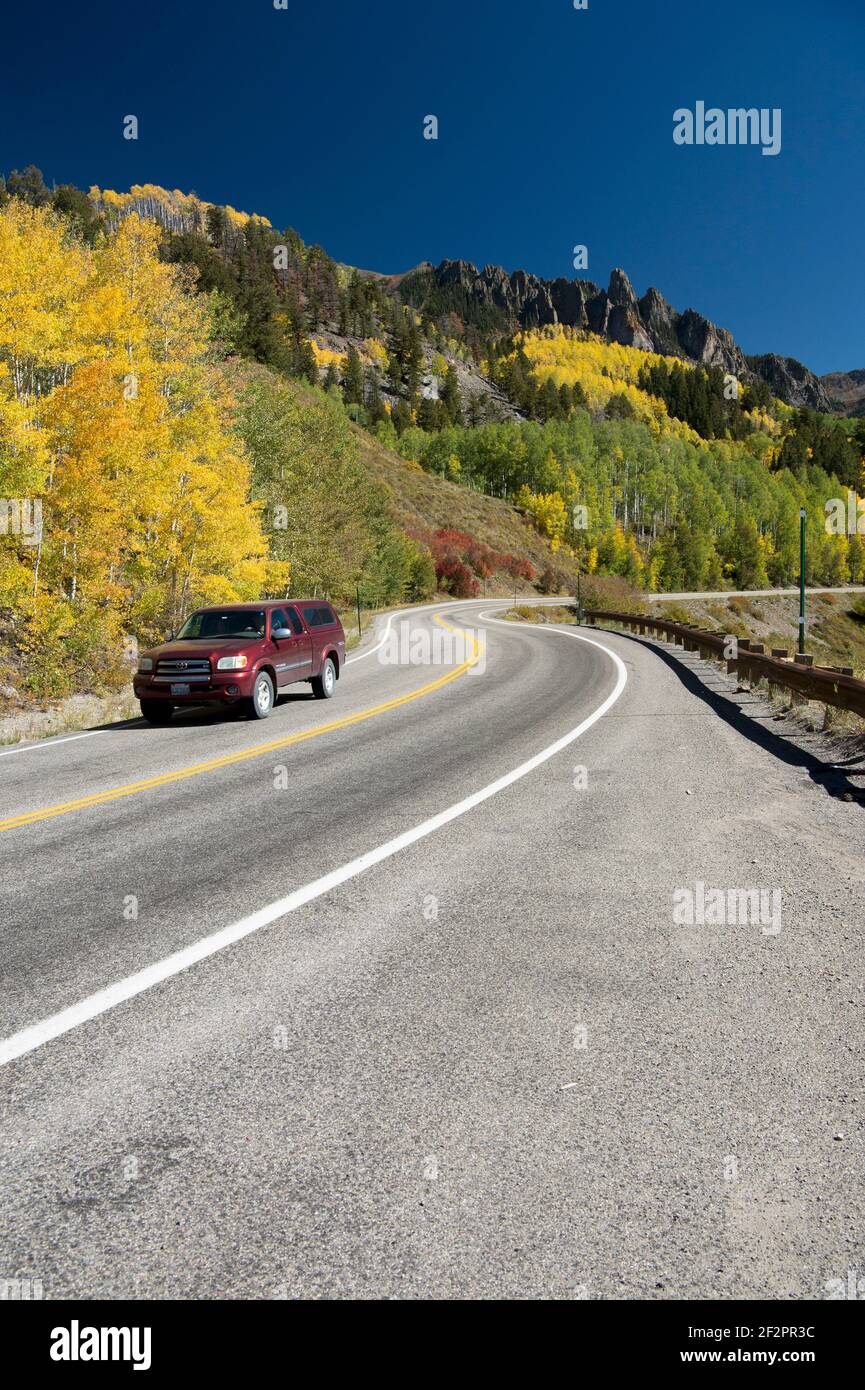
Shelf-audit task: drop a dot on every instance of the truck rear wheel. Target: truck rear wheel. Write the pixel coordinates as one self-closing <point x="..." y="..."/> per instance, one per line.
<point x="323" y="685"/>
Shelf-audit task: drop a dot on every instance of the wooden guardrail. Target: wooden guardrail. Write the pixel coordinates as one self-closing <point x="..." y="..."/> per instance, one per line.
<point x="832" y="685"/>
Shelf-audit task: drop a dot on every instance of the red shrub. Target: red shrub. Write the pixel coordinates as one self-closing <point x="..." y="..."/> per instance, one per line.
<point x="459" y="557"/>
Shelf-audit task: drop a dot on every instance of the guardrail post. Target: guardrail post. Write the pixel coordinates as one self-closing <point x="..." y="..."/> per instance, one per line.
<point x="780" y="654"/>
<point x="743" y="644"/>
<point x="801" y="659"/>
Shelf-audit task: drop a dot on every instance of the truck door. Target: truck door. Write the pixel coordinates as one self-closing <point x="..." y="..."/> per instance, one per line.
<point x="293" y="657"/>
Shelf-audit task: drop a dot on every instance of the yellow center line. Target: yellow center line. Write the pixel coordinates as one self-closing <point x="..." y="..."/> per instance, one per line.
<point x="63" y="808"/>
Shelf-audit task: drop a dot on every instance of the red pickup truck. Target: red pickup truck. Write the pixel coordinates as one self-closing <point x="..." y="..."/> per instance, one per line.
<point x="242" y="653"/>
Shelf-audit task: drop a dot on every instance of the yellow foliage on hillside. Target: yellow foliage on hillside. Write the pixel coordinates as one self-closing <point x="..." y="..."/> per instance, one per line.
<point x="143" y="196"/>
<point x="326" y="357"/>
<point x="548" y="512"/>
<point x="114" y="421"/>
<point x="571" y="357"/>
<point x="375" y="352"/>
<point x="372" y="353"/>
<point x="765" y="423"/>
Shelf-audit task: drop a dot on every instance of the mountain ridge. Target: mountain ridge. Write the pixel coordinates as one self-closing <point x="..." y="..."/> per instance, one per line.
<point x="521" y="299"/>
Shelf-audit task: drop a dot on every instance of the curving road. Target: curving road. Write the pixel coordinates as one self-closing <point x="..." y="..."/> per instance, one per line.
<point x="384" y="997"/>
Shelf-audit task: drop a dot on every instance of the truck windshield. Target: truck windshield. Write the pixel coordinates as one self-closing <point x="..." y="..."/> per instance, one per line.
<point x="238" y="623"/>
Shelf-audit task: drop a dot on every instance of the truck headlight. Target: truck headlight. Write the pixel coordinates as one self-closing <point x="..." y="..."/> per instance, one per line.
<point x="232" y="663"/>
<point x="145" y="663"/>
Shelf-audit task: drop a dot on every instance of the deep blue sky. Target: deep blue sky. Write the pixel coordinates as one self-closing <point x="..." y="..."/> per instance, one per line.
<point x="555" y="128"/>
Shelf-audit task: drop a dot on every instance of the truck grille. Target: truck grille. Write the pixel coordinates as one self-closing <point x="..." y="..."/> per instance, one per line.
<point x="191" y="670"/>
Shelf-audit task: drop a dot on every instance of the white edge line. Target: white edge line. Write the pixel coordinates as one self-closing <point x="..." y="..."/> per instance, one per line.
<point x="54" y="1027"/>
<point x="399" y="613"/>
<point x="350" y="660"/>
<point x="51" y="742"/>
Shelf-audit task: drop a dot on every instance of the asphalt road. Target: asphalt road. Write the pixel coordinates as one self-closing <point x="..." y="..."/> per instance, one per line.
<point x="322" y="1021"/>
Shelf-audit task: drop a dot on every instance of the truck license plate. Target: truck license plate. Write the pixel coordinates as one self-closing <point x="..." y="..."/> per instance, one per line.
<point x="180" y="690"/>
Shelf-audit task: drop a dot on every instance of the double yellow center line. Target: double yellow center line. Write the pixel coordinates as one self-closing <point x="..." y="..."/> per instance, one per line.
<point x="165" y="779"/>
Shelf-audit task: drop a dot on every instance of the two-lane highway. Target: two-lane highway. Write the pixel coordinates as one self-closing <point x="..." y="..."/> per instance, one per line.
<point x="385" y="997"/>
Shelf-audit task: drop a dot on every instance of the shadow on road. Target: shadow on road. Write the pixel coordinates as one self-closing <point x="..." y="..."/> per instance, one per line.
<point x="198" y="716"/>
<point x="828" y="774"/>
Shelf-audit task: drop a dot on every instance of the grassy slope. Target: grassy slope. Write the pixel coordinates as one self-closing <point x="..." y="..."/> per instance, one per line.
<point x="423" y="502"/>
<point x="835" y="633"/>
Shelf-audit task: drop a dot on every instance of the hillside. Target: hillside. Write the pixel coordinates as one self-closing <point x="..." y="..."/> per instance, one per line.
<point x="420" y="503"/>
<point x="423" y="503"/>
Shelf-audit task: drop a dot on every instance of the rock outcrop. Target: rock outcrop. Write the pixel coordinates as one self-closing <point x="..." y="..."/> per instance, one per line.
<point x="846" y="391"/>
<point x="791" y="381"/>
<point x="492" y="297"/>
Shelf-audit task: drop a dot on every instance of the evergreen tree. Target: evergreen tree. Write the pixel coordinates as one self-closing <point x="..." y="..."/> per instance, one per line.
<point x="216" y="219"/>
<point x="352" y="385"/>
<point x="29" y="185"/>
<point x="304" y="361"/>
<point x="71" y="202"/>
<point x="450" y="396"/>
<point x="374" y="404"/>
<point x="413" y="360"/>
<point x="548" y="400"/>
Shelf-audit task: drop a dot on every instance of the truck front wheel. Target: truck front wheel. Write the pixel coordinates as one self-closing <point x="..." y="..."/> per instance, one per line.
<point x="156" y="711"/>
<point x="261" y="703"/>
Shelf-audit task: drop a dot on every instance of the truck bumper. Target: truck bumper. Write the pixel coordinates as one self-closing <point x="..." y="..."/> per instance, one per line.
<point x="225" y="687"/>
